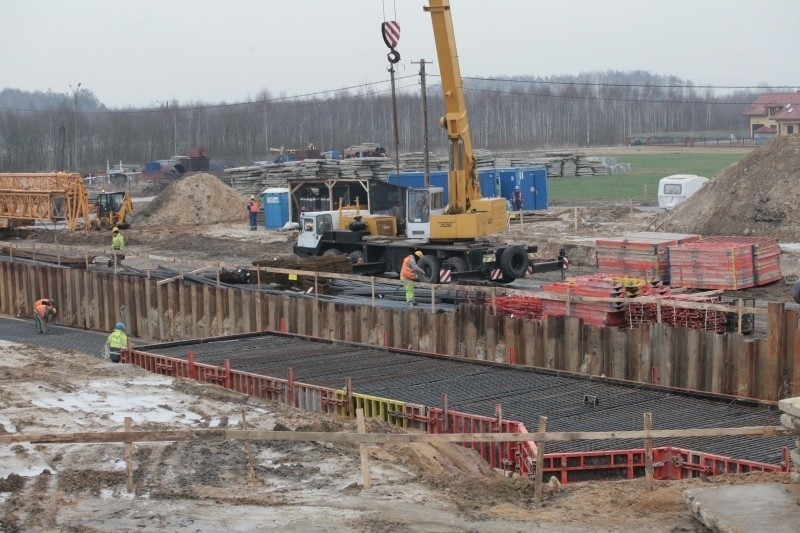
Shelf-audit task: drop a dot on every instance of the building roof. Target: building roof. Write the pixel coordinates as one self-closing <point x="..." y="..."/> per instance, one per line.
<point x="759" y="107"/>
<point x="766" y="129"/>
<point x="790" y="112"/>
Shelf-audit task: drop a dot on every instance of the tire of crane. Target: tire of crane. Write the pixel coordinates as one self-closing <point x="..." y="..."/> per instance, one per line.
<point x="332" y="251"/>
<point x="458" y="264"/>
<point x="430" y="265"/>
<point x="514" y="262"/>
<point x="356" y="256"/>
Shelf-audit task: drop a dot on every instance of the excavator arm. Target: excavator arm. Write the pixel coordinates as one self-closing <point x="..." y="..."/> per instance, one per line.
<point x="462" y="177"/>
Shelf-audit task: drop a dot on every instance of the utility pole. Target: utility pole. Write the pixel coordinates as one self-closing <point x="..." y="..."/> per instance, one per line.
<point x="426" y="157"/>
<point x="75" y="92"/>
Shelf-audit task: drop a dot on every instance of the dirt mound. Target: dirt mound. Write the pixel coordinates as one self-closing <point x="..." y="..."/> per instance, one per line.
<point x="195" y="199"/>
<point x="757" y="196"/>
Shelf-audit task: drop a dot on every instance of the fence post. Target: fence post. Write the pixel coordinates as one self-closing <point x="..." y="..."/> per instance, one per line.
<point x="362" y="450"/>
<point x="648" y="452"/>
<point x="129" y="456"/>
<point x="537" y="488"/>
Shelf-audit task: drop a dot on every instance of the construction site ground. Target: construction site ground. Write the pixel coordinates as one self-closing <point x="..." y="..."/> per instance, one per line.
<point x="202" y="486"/>
<point x="311" y="486"/>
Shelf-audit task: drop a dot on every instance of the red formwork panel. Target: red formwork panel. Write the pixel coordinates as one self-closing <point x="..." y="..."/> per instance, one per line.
<point x="641" y="254"/>
<point x="585" y="466"/>
<point x="679" y="463"/>
<point x="157" y="364"/>
<point x="728" y="263"/>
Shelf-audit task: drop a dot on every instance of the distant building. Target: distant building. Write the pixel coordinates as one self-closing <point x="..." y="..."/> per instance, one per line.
<point x="778" y="112"/>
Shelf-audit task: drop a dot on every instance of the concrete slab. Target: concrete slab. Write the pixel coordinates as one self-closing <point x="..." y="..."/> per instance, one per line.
<point x="745" y="508"/>
<point x="790" y="405"/>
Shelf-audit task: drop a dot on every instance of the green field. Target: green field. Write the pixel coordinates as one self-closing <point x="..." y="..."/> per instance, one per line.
<point x="641" y="184"/>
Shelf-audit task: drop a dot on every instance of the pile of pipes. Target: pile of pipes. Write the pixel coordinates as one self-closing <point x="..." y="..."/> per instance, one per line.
<point x="728" y="263"/>
<point x="639" y="254"/>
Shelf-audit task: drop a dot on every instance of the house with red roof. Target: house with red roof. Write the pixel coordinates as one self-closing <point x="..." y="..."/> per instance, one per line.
<point x="775" y="113"/>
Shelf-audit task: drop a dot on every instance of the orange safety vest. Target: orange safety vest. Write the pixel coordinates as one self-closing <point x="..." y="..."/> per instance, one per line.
<point x="406" y="272"/>
<point x="40" y="307"/>
<point x="254" y="207"/>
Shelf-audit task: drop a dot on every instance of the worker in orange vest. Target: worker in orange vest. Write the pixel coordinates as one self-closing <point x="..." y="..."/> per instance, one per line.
<point x="43" y="311"/>
<point x="408" y="273"/>
<point x="252" y="210"/>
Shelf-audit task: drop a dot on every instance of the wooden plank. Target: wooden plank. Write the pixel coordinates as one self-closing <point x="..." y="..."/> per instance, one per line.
<point x="618" y="341"/>
<point x="573" y="347"/>
<point x="234" y="311"/>
<point x="537" y="487"/>
<point x="208" y="306"/>
<point x="769" y="360"/>
<point x="645" y="354"/>
<point x="796" y="363"/>
<point x="594" y="356"/>
<point x="719" y="353"/>
<point x="97" y="301"/>
<point x="379" y="438"/>
<point x="744" y="382"/>
<point x="161" y="309"/>
<point x="633" y="349"/>
<point x="247" y="312"/>
<point x="693" y="370"/>
<point x="184" y="312"/>
<point x="129" y="456"/>
<point x="194" y="302"/>
<point x="219" y="311"/>
<point x="787" y="366"/>
<point x="648" y="452"/>
<point x="527" y="353"/>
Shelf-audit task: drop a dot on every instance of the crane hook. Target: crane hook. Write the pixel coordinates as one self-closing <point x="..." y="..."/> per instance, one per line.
<point x="393" y="56"/>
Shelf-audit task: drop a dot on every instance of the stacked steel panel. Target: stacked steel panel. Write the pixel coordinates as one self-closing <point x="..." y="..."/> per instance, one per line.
<point x="596" y="313"/>
<point x="640" y="254"/>
<point x="728" y="263"/>
<point x="529" y="307"/>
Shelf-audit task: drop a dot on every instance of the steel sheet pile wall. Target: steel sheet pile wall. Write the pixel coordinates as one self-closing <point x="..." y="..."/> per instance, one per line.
<point x="651" y="353"/>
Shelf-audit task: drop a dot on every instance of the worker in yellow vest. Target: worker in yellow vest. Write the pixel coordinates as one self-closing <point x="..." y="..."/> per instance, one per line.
<point x="116" y="341"/>
<point x="408" y="273"/>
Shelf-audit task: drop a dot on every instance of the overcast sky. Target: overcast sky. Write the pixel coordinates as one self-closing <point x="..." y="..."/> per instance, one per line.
<point x="140" y="52"/>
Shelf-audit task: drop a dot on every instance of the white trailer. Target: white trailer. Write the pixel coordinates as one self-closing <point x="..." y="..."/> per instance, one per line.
<point x="673" y="190"/>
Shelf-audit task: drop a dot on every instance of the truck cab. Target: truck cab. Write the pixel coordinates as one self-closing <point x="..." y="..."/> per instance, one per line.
<point x="313" y="226"/>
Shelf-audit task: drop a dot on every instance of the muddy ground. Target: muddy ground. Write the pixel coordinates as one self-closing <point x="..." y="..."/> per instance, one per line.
<point x="204" y="486"/>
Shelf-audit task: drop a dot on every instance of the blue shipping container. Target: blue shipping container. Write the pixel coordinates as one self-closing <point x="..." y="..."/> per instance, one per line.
<point x="152" y="167"/>
<point x="276" y="207"/>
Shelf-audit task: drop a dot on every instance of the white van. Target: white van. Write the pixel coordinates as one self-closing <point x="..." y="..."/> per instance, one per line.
<point x="673" y="190"/>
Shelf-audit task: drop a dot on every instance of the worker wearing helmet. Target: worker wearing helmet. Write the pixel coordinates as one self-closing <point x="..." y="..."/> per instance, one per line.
<point x="43" y="311"/>
<point x="117" y="246"/>
<point x="408" y="273"/>
<point x="252" y="210"/>
<point x="116" y="341"/>
<point x="516" y="199"/>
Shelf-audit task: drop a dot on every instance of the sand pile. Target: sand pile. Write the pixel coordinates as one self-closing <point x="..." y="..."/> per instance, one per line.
<point x="195" y="199"/>
<point x="759" y="195"/>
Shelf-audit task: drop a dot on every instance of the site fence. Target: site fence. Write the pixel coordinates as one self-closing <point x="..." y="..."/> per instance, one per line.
<point x="653" y="353"/>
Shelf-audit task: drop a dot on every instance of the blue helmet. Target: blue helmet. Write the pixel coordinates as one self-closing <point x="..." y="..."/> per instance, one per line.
<point x="120" y="325"/>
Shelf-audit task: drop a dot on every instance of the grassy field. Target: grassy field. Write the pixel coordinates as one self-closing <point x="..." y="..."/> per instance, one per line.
<point x="641" y="184"/>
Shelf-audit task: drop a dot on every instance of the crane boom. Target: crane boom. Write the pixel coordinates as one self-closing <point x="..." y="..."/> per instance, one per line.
<point x="462" y="179"/>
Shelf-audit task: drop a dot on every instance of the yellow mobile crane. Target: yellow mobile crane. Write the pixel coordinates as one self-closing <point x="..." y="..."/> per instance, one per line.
<point x="452" y="236"/>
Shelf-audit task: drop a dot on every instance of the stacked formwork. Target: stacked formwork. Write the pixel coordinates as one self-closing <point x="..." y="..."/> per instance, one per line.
<point x="728" y="263"/>
<point x="640" y="255"/>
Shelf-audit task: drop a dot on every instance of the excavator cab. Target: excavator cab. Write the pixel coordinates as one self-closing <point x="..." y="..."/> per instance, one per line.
<point x="112" y="209"/>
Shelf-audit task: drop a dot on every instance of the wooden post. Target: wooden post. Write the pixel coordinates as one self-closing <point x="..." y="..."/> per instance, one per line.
<point x="568" y="303"/>
<point x="494" y="300"/>
<point x="362" y="450"/>
<point x="741" y="312"/>
<point x="648" y="451"/>
<point x="248" y="447"/>
<point x="575" y="217"/>
<point x="85" y="258"/>
<point x="258" y="278"/>
<point x="372" y="288"/>
<point x="316" y="284"/>
<point x="537" y="488"/>
<point x="129" y="456"/>
<point x="217" y="274"/>
<point x="658" y="311"/>
<point x="433" y="299"/>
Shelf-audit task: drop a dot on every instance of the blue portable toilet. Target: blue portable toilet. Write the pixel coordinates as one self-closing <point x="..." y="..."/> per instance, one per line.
<point x="508" y="180"/>
<point x="533" y="183"/>
<point x="489" y="181"/>
<point x="276" y="207"/>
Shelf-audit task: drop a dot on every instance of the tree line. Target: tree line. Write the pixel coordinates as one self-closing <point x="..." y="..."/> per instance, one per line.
<point x="38" y="131"/>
